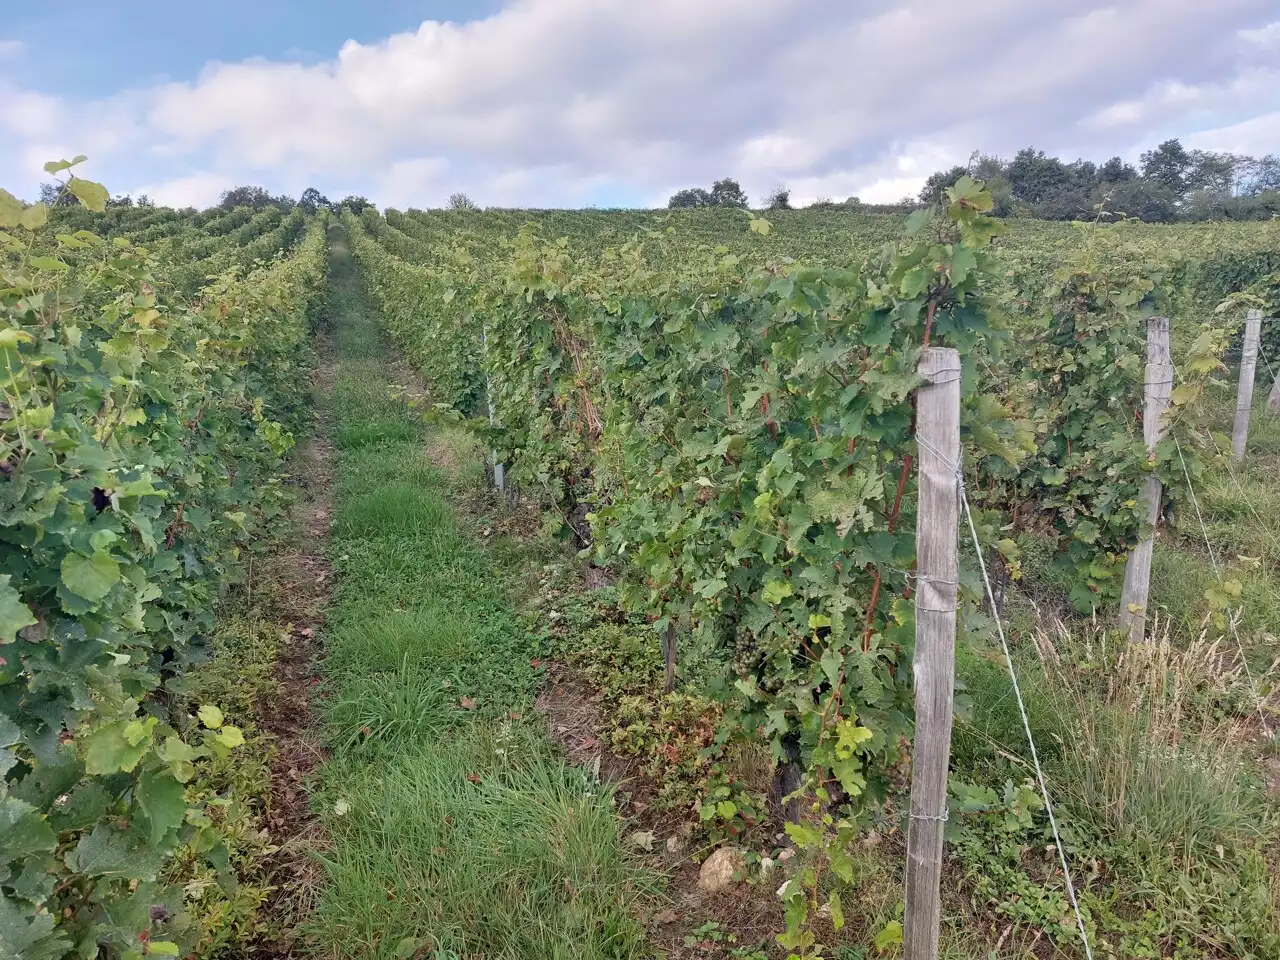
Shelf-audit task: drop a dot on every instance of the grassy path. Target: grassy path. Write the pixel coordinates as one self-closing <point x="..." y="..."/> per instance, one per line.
<point x="456" y="832"/>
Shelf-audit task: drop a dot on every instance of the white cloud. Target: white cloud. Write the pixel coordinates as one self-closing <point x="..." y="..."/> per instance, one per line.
<point x="556" y="101"/>
<point x="193" y="190"/>
<point x="1174" y="102"/>
<point x="1255" y="137"/>
<point x="12" y="49"/>
<point x="1268" y="36"/>
<point x="27" y="115"/>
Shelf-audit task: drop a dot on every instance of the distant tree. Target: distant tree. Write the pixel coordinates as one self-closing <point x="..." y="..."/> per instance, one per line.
<point x="121" y="200"/>
<point x="823" y="203"/>
<point x="246" y="196"/>
<point x="986" y="167"/>
<point x="905" y="205"/>
<point x="355" y="204"/>
<point x="779" y="198"/>
<point x="727" y="193"/>
<point x="1034" y="176"/>
<point x="723" y="193"/>
<point x="144" y="201"/>
<point x="1256" y="206"/>
<point x="1116" y="170"/>
<point x="1216" y="172"/>
<point x="1261" y="175"/>
<point x="1207" y="205"/>
<point x="1083" y="171"/>
<point x="460" y="201"/>
<point x="1167" y="165"/>
<point x="1142" y="198"/>
<point x="1174" y="184"/>
<point x="1069" y="201"/>
<point x="690" y="197"/>
<point x="313" y="200"/>
<point x="53" y="195"/>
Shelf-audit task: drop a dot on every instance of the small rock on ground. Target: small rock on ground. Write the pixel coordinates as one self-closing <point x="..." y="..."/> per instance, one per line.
<point x="718" y="871"/>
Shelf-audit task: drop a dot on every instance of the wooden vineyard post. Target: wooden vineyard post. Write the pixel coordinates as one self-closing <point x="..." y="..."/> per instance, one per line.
<point x="937" y="579"/>
<point x="1158" y="386"/>
<point x="1273" y="400"/>
<point x="498" y="470"/>
<point x="1244" y="397"/>
<point x="669" y="653"/>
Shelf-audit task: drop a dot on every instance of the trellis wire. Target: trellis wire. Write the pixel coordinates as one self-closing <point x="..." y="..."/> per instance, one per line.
<point x="1017" y="693"/>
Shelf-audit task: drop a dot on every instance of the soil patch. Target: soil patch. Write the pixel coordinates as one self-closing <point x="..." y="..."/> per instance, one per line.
<point x="574" y="711"/>
<point x="306" y="583"/>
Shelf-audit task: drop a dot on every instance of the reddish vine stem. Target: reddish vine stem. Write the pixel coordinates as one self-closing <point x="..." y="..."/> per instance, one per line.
<point x="928" y="323"/>
<point x="907" y="462"/>
<point x="871" y="613"/>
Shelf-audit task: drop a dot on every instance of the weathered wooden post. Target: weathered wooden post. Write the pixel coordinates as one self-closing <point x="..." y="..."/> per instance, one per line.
<point x="937" y="580"/>
<point x="669" y="653"/>
<point x="1157" y="388"/>
<point x="498" y="470"/>
<point x="1244" y="396"/>
<point x="1273" y="400"/>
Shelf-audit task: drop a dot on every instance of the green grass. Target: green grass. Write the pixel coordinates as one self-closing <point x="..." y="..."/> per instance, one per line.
<point x="1151" y="752"/>
<point x="456" y="831"/>
<point x="481" y="844"/>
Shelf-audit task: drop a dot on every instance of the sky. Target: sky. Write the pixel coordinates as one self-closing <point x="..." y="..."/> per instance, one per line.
<point x="572" y="103"/>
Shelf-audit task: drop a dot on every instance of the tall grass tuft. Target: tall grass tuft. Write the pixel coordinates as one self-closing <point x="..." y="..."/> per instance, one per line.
<point x="1154" y="741"/>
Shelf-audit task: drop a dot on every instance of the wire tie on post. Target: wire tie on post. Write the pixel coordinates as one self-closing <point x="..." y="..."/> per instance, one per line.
<point x="943" y="818"/>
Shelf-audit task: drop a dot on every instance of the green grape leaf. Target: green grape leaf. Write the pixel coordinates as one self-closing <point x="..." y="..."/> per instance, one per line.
<point x="775" y="591"/>
<point x="92" y="195"/>
<point x="23" y="831"/>
<point x="230" y="736"/>
<point x="709" y="588"/>
<point x="34" y="217"/>
<point x="10" y="732"/>
<point x="113" y="853"/>
<point x="49" y="263"/>
<point x="14" y="614"/>
<point x="210" y="716"/>
<point x="162" y="800"/>
<point x="36" y="940"/>
<point x="178" y="756"/>
<point x="90" y="577"/>
<point x="10" y="209"/>
<point x="889" y="936"/>
<point x="918" y="221"/>
<point x="837" y="910"/>
<point x="113" y="747"/>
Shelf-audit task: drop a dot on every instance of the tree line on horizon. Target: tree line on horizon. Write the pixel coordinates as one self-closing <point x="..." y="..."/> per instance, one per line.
<point x="1170" y="183"/>
<point x="259" y="198"/>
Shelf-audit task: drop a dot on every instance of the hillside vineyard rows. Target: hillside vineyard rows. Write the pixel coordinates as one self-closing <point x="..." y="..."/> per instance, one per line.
<point x="466" y="583"/>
